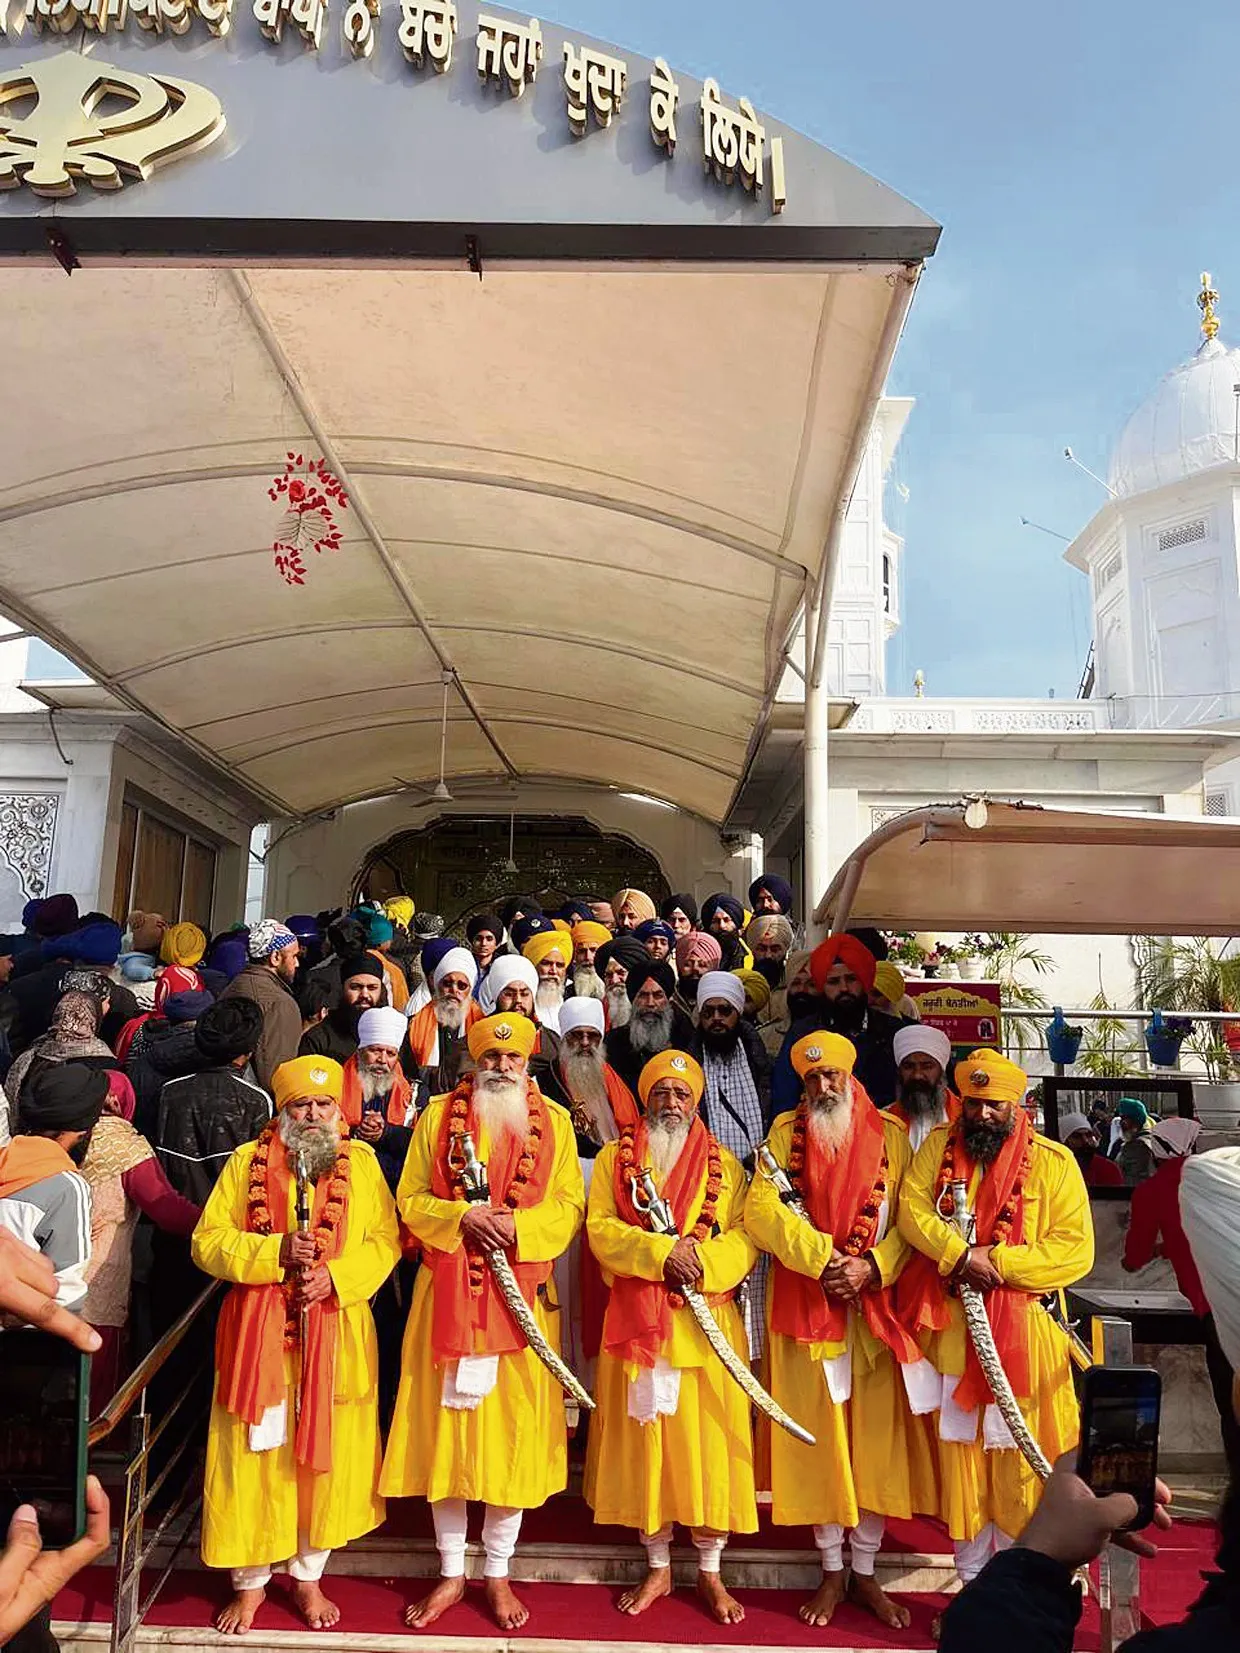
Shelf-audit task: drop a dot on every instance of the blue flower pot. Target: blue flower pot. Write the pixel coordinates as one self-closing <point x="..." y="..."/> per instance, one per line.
<point x="1164" y="1048"/>
<point x="1062" y="1043"/>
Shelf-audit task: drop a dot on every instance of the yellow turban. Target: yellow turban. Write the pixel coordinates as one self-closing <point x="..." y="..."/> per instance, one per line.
<point x="757" y="988"/>
<point x="546" y="942"/>
<point x="505" y="1032"/>
<point x="562" y="924"/>
<point x="307" y="1076"/>
<point x="823" y="1050"/>
<point x="671" y="1064"/>
<point x="183" y="944"/>
<point x="400" y="910"/>
<point x="889" y="982"/>
<point x="589" y="934"/>
<point x="989" y="1077"/>
<point x="638" y="903"/>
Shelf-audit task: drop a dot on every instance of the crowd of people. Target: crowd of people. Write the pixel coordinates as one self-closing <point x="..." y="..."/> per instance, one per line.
<point x="645" y="1114"/>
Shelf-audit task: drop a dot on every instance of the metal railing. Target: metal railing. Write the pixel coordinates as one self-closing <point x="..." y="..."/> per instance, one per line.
<point x="134" y="1549"/>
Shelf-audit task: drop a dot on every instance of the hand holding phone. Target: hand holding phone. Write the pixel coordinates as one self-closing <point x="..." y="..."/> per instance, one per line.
<point x="1120" y="1413"/>
<point x="30" y="1576"/>
<point x="44" y="1391"/>
<point x="1072" y="1526"/>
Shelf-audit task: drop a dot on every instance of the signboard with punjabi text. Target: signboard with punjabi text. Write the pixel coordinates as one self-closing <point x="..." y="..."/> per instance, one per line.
<point x="967" y="1011"/>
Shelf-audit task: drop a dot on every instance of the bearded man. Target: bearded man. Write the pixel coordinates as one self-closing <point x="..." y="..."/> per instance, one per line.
<point x="631" y="908"/>
<point x="549" y="953"/>
<point x="512" y="986"/>
<point x="1034" y="1236"/>
<point x="1077" y="1133"/>
<point x="771" y="894"/>
<point x="696" y="953"/>
<point x="769" y="936"/>
<point x="587" y="939"/>
<point x="724" y="917"/>
<point x="378" y="1104"/>
<point x="838" y="1351"/>
<point x="613" y="962"/>
<point x="655" y="1024"/>
<point x="436" y="1037"/>
<point x="843" y="968"/>
<point x="672" y="1439"/>
<point x="680" y="911"/>
<point x="923" y="1099"/>
<point x="478" y="1415"/>
<point x="293" y="1446"/>
<point x="361" y="989"/>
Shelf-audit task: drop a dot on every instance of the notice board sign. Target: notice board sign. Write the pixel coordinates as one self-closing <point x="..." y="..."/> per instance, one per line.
<point x="967" y="1011"/>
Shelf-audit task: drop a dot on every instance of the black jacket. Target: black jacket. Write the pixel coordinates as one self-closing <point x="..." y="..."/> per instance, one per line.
<point x="334" y="1037"/>
<point x="628" y="1064"/>
<point x="168" y="1052"/>
<point x="876" y="1061"/>
<point x="203" y="1117"/>
<point x="1024" y="1602"/>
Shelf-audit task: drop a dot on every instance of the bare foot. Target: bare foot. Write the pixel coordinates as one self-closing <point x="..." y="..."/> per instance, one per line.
<point x="725" y="1608"/>
<point x="657" y="1582"/>
<point x="510" y="1612"/>
<point x="238" y="1616"/>
<point x="445" y="1594"/>
<point x="867" y="1592"/>
<point x="318" y="1612"/>
<point x="820" y="1608"/>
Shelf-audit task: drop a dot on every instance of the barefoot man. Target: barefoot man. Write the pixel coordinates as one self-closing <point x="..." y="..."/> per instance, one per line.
<point x="478" y="1415"/>
<point x="293" y="1451"/>
<point x="840" y="1360"/>
<point x="671" y="1440"/>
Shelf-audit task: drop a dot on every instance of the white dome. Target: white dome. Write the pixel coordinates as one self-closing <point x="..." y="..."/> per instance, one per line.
<point x="1187" y="425"/>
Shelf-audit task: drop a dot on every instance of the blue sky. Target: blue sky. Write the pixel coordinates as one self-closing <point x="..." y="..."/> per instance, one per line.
<point x="1079" y="159"/>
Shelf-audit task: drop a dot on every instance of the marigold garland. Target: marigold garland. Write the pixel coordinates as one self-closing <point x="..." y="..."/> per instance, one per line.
<point x="705" y="1224"/>
<point x="323" y="1230"/>
<point x="458" y="1120"/>
<point x="865" y="1224"/>
<point x="950" y="1172"/>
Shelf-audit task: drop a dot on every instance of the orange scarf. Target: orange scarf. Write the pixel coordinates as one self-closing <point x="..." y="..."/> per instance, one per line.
<point x="30" y="1159"/>
<point x="638" y="1321"/>
<point x="624" y="1107"/>
<point x="469" y="1317"/>
<point x="999" y="1213"/>
<point x="424" y="1030"/>
<point x="843" y="1193"/>
<point x="251" y="1336"/>
<point x="352" y="1104"/>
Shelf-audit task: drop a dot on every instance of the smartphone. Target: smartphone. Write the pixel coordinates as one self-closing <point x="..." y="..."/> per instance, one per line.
<point x="44" y="1398"/>
<point x="1120" y="1412"/>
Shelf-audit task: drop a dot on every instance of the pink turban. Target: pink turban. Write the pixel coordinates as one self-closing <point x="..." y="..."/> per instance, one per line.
<point x="698" y="947"/>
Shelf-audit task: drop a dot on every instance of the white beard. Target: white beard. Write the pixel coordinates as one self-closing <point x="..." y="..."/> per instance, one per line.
<point x="588" y="984"/>
<point x="500" y="1106"/>
<point x="549" y="997"/>
<point x="318" y="1140"/>
<point x="666" y="1142"/>
<point x="619" y="1007"/>
<point x="651" y="1033"/>
<point x="583" y="1078"/>
<point x="373" y="1084"/>
<point x="829" y="1126"/>
<point x="450" y="1014"/>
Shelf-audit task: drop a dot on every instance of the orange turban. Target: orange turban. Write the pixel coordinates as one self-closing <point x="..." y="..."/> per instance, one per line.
<point x="589" y="934"/>
<point x="546" y="942"/>
<point x="505" y="1032"/>
<point x="989" y="1077"/>
<point x="307" y="1076"/>
<point x="671" y="1064"/>
<point x="638" y="903"/>
<point x="847" y="950"/>
<point x="823" y="1050"/>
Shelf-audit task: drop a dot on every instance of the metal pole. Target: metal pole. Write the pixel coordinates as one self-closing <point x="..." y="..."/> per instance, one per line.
<point x="817" y="718"/>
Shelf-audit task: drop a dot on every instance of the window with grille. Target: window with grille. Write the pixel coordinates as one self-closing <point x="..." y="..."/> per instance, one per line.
<point x="1218" y="800"/>
<point x="1108" y="571"/>
<point x="1186" y="533"/>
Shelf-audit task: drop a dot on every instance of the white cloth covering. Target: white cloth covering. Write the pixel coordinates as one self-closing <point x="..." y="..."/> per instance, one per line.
<point x="459" y="962"/>
<point x="1210" y="1208"/>
<point x="503" y="972"/>
<point x="383" y="1026"/>
<point x="581" y="1012"/>
<point x="306" y="1567"/>
<point x="654" y="1392"/>
<point x="468" y="1381"/>
<point x="924" y="1040"/>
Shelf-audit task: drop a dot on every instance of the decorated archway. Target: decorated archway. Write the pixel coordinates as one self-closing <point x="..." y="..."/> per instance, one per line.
<point x="460" y="865"/>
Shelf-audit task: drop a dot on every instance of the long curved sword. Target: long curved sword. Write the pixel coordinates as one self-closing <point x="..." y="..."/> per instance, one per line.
<point x="473" y="1174"/>
<point x="658" y="1214"/>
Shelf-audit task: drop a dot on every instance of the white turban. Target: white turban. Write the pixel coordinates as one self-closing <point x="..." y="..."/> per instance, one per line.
<point x="580" y="1012"/>
<point x="459" y="962"/>
<point x="928" y="1041"/>
<point x="1210" y="1209"/>
<point x="384" y="1026"/>
<point x="1071" y="1123"/>
<point x="503" y="972"/>
<point x="722" y="984"/>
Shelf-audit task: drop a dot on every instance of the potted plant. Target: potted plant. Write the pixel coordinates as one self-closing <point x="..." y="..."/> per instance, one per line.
<point x="1063" y="1041"/>
<point x="1163" y="1037"/>
<point x="906" y="950"/>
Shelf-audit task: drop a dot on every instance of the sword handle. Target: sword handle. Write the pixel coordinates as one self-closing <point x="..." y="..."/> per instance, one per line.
<point x="463" y="1159"/>
<point x="964" y="1219"/>
<point x="775" y="1174"/>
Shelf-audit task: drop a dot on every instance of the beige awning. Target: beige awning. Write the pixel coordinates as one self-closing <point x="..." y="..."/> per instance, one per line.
<point x="986" y="866"/>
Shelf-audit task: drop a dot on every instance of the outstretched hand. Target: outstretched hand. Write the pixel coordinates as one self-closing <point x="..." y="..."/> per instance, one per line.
<point x="30" y="1577"/>
<point x="28" y="1293"/>
<point x="1071" y="1524"/>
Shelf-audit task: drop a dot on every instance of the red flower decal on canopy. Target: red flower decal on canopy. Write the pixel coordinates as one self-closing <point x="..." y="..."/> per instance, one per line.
<point x="313" y="495"/>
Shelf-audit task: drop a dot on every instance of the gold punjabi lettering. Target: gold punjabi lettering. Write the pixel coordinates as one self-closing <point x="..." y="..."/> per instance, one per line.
<point x="427" y="31"/>
<point x="307" y="16"/>
<point x="664" y="96"/>
<point x="358" y="26"/>
<point x="157" y="15"/>
<point x="595" y="84"/>
<point x="509" y="52"/>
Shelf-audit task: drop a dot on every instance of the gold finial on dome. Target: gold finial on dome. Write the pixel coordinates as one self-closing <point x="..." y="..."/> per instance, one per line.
<point x="1207" y="298"/>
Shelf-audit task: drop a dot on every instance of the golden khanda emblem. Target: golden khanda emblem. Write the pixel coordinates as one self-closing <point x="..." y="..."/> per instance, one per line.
<point x="503" y="1032"/>
<point x="678" y="1065"/>
<point x="77" y="131"/>
<point x="814" y="1052"/>
<point x="980" y="1078"/>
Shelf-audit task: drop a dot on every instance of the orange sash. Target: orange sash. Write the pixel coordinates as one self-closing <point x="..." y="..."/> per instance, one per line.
<point x="624" y="1107"/>
<point x="468" y="1316"/>
<point x="638" y="1321"/>
<point x="424" y="1030"/>
<point x="835" y="1189"/>
<point x="351" y="1102"/>
<point x="922" y="1293"/>
<point x="30" y="1159"/>
<point x="249" y="1341"/>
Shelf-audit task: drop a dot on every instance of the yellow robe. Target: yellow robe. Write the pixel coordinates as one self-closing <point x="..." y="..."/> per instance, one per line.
<point x="257" y="1505"/>
<point x="512" y="1449"/>
<point x="977" y="1486"/>
<point x="871" y="1454"/>
<point x="695" y="1467"/>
